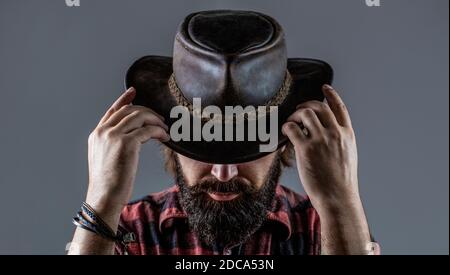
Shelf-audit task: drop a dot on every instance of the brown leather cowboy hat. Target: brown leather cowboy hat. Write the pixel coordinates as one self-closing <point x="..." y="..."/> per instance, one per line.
<point x="227" y="58"/>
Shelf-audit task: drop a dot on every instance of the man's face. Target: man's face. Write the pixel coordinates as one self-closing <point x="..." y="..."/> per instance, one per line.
<point x="226" y="203"/>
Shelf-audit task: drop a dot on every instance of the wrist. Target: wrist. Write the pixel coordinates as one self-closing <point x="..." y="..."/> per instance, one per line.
<point x="107" y="209"/>
<point x="338" y="199"/>
<point x="337" y="206"/>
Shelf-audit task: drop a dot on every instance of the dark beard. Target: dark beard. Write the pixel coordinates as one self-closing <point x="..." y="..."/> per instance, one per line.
<point x="227" y="222"/>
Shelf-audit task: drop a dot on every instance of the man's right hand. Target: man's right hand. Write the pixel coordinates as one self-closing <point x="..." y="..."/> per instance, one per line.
<point x="113" y="154"/>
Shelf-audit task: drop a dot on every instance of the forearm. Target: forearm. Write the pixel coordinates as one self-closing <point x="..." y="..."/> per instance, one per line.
<point x="344" y="229"/>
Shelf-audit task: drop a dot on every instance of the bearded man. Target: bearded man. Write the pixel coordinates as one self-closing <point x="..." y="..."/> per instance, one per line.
<point x="227" y="198"/>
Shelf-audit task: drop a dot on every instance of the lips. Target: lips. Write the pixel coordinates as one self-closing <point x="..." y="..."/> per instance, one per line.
<point x="219" y="196"/>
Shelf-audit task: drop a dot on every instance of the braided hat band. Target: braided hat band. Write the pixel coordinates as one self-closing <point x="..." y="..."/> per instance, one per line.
<point x="275" y="101"/>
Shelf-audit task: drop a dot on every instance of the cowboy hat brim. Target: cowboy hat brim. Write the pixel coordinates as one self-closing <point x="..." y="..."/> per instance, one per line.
<point x="149" y="75"/>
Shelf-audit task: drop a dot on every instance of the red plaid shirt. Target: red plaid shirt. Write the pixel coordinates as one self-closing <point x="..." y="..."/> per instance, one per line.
<point x="160" y="227"/>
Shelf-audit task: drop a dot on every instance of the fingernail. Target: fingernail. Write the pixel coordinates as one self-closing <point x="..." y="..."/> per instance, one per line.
<point x="282" y="130"/>
<point x="130" y="90"/>
<point x="327" y="87"/>
<point x="284" y="127"/>
<point x="167" y="138"/>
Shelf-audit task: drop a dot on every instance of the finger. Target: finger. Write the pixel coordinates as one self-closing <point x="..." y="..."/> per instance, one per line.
<point x="309" y="119"/>
<point x="322" y="111"/>
<point x="125" y="99"/>
<point x="138" y="119"/>
<point x="337" y="106"/>
<point x="147" y="132"/>
<point x="125" y="111"/>
<point x="294" y="133"/>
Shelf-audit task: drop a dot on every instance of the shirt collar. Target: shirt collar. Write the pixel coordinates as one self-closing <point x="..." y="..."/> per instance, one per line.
<point x="279" y="215"/>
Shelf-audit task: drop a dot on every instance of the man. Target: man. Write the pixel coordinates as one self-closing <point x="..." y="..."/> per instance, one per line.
<point x="226" y="198"/>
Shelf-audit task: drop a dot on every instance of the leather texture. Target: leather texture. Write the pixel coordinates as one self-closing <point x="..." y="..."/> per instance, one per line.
<point x="250" y="76"/>
<point x="229" y="32"/>
<point x="227" y="58"/>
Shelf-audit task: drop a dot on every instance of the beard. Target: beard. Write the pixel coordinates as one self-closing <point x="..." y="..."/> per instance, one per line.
<point x="227" y="222"/>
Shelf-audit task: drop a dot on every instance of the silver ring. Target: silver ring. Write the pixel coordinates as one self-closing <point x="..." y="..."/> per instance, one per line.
<point x="305" y="130"/>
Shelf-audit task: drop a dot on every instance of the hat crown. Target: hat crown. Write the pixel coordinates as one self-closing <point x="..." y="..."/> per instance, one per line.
<point x="230" y="32"/>
<point x="229" y="58"/>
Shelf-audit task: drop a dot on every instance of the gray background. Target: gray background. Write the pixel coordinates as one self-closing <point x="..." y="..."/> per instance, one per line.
<point x="62" y="67"/>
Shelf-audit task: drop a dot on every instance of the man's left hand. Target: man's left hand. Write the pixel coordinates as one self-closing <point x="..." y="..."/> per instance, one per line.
<point x="327" y="162"/>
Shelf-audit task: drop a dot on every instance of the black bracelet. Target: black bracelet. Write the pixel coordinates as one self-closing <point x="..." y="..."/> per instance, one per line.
<point x="94" y="227"/>
<point x="98" y="226"/>
<point x="90" y="212"/>
<point x="76" y="221"/>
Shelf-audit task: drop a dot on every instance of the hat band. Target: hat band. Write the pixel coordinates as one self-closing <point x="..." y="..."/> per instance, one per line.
<point x="276" y="100"/>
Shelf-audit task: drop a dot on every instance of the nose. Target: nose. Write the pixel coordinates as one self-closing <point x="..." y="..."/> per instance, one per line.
<point x="224" y="172"/>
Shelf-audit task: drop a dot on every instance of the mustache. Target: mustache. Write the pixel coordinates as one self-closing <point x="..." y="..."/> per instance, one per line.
<point x="234" y="185"/>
